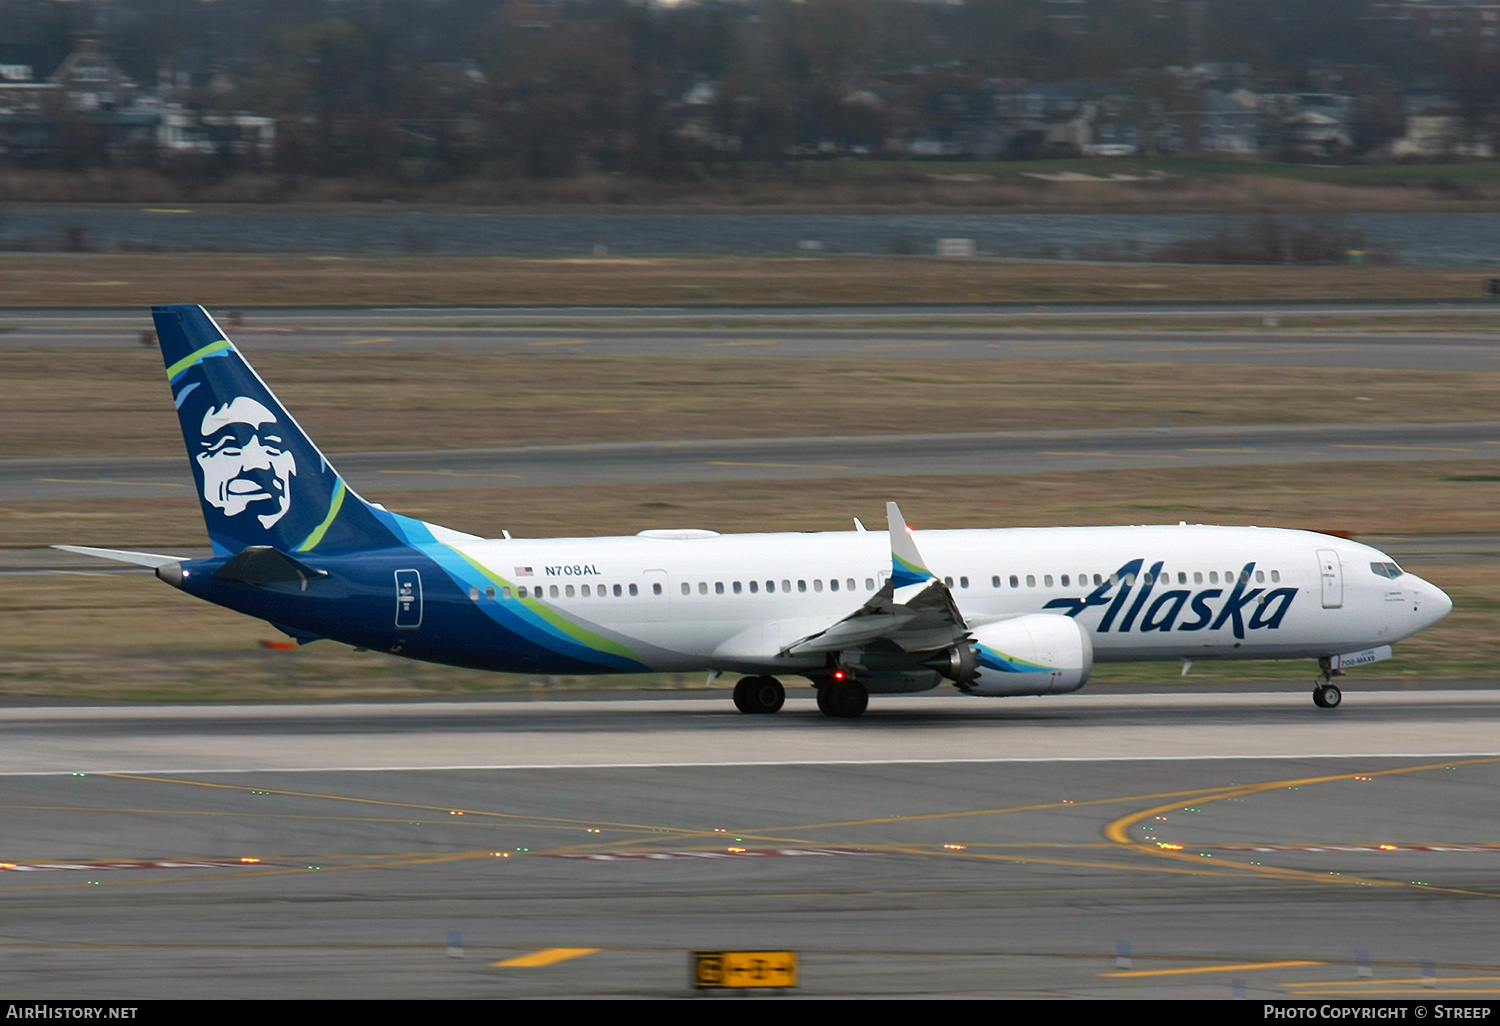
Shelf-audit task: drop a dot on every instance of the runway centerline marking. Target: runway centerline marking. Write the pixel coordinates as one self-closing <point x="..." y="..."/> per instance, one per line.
<point x="1241" y="967"/>
<point x="1404" y="448"/>
<point x="366" y="341"/>
<point x="561" y="342"/>
<point x="547" y="956"/>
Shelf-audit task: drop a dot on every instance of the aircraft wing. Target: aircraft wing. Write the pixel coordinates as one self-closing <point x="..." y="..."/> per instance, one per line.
<point x="913" y="609"/>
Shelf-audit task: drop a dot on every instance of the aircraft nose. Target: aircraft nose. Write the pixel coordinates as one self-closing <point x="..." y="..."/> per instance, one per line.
<point x="1442" y="605"/>
<point x="1435" y="602"/>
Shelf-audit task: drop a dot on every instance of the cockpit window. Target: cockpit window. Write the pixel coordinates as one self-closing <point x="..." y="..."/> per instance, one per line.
<point x="1390" y="570"/>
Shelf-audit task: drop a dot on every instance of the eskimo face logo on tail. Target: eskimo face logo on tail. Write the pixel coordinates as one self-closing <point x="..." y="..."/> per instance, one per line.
<point x="244" y="461"/>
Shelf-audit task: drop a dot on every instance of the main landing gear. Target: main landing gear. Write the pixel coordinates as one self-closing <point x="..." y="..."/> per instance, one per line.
<point x="759" y="695"/>
<point x="845" y="699"/>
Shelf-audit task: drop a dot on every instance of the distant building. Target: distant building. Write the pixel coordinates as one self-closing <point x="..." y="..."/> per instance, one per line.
<point x="88" y="108"/>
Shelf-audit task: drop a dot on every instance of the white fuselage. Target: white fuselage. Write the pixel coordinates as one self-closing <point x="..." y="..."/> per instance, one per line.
<point x="733" y="602"/>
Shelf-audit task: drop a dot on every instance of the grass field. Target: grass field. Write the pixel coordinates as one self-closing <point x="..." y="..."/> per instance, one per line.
<point x="227" y="280"/>
<point x="56" y="400"/>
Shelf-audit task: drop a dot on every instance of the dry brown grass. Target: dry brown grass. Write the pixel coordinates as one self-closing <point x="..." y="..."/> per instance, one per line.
<point x="114" y="402"/>
<point x="222" y="280"/>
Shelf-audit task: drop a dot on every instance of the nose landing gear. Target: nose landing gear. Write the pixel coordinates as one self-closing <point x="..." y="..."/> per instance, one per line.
<point x="1326" y="694"/>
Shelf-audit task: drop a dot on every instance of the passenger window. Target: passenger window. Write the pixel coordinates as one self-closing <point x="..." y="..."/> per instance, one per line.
<point x="1031" y="580"/>
<point x="656" y="589"/>
<point x="1197" y="576"/>
<point x="718" y="587"/>
<point x="1015" y="582"/>
<point x="1275" y="576"/>
<point x="1098" y="580"/>
<point x="770" y="587"/>
<point x="570" y="591"/>
<point x="818" y="584"/>
<point x="995" y="581"/>
<point x="1181" y="577"/>
<point x="869" y="584"/>
<point x="505" y="594"/>
<point x="754" y="587"/>
<point x="786" y="586"/>
<point x="687" y="589"/>
<point x="702" y="587"/>
<point x="1063" y="580"/>
<point x="489" y="593"/>
<point x="474" y="594"/>
<point x="737" y="588"/>
<point x="617" y="590"/>
<point x="849" y="584"/>
<point x="1213" y="577"/>
<point x="833" y="584"/>
<point x="801" y="585"/>
<point x="586" y="590"/>
<point x="636" y="591"/>
<point x="948" y="581"/>
<point x="1260" y="577"/>
<point x="1047" y="580"/>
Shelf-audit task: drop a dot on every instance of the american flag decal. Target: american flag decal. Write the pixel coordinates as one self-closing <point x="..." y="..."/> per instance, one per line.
<point x="524" y="571"/>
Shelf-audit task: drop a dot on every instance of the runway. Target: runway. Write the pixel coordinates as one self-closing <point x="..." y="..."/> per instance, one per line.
<point x="860" y="456"/>
<point x="1228" y="844"/>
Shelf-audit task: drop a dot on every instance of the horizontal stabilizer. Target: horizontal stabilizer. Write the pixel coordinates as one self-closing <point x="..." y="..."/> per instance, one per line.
<point x="123" y="555"/>
<point x="262" y="565"/>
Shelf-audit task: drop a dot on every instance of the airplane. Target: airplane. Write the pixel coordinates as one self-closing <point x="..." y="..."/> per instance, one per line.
<point x="1001" y="612"/>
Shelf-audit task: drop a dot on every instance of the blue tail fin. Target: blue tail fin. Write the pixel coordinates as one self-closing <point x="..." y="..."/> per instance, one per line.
<point x="261" y="479"/>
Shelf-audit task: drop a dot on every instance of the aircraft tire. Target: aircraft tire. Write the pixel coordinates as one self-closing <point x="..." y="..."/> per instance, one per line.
<point x="1327" y="696"/>
<point x="742" y="695"/>
<point x="823" y="692"/>
<point x="846" y="700"/>
<point x="766" y="694"/>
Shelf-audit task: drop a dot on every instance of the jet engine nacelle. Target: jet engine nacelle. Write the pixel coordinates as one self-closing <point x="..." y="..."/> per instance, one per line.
<point x="1037" y="654"/>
